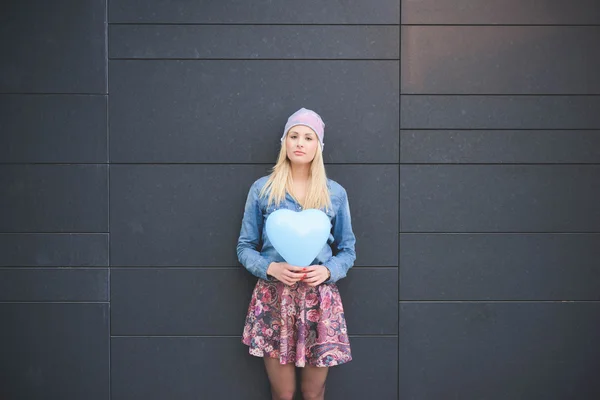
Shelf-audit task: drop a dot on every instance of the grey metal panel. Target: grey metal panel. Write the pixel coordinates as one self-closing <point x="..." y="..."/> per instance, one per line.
<point x="498" y="351"/>
<point x="499" y="198"/>
<point x="239" y="11"/>
<point x="54" y="351"/>
<point x="178" y="215"/>
<point x="53" y="284"/>
<point x="370" y="298"/>
<point x="372" y="373"/>
<point x="53" y="129"/>
<point x="53" y="47"/>
<point x="54" y="198"/>
<point x="372" y="194"/>
<point x="489" y="146"/>
<point x="53" y="250"/>
<point x="512" y="267"/>
<point x="185" y="368"/>
<point x="254" y="41"/>
<point x="500" y="60"/>
<point x="179" y="301"/>
<point x="499" y="112"/>
<point x="235" y="111"/>
<point x="552" y="12"/>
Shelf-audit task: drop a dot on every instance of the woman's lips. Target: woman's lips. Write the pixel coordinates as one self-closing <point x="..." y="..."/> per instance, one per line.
<point x="298" y="153"/>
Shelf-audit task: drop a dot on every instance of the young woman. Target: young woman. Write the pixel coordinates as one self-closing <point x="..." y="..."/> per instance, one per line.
<point x="296" y="317"/>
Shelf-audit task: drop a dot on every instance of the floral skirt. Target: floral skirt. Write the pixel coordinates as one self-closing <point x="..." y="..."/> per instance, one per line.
<point x="297" y="324"/>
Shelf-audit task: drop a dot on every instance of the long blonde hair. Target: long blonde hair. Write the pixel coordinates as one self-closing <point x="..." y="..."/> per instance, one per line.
<point x="280" y="181"/>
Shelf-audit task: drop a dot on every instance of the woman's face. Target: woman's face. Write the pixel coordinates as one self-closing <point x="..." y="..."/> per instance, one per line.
<point x="301" y="144"/>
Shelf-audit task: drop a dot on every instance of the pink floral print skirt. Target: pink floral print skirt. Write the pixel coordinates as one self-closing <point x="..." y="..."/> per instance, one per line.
<point x="297" y="324"/>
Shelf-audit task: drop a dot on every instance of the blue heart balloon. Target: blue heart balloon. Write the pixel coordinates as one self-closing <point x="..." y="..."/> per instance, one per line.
<point x="298" y="237"/>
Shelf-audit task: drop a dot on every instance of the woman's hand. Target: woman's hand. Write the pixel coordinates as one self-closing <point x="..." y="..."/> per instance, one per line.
<point x="315" y="275"/>
<point x="285" y="272"/>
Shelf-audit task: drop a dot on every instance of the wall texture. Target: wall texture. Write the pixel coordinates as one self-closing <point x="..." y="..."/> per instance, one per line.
<point x="499" y="194"/>
<point x="466" y="133"/>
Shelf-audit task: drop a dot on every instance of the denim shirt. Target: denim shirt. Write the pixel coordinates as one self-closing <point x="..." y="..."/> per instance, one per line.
<point x="255" y="252"/>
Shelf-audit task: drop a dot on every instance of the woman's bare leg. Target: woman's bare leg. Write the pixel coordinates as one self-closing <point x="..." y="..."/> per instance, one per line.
<point x="282" y="378"/>
<point x="313" y="382"/>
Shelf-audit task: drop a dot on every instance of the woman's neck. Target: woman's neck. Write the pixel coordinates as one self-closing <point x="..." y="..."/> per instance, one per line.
<point x="300" y="173"/>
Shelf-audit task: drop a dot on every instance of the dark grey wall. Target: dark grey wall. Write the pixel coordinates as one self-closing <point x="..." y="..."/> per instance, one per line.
<point x="499" y="194"/>
<point x="467" y="136"/>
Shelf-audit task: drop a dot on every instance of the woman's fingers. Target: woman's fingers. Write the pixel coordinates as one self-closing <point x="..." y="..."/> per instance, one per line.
<point x="313" y="279"/>
<point x="300" y="269"/>
<point x="290" y="267"/>
<point x="292" y="275"/>
<point x="313" y="274"/>
<point x="318" y="274"/>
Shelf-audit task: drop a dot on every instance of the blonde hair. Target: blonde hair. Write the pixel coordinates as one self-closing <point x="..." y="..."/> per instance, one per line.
<point x="280" y="181"/>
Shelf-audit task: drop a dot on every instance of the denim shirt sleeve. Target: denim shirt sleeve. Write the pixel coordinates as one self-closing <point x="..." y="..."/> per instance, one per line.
<point x="250" y="237"/>
<point x="343" y="242"/>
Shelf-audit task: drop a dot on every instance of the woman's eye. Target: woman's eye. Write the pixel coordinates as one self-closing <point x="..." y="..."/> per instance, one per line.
<point x="308" y="138"/>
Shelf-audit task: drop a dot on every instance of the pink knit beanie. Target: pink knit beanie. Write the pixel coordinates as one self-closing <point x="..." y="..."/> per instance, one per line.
<point x="307" y="118"/>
